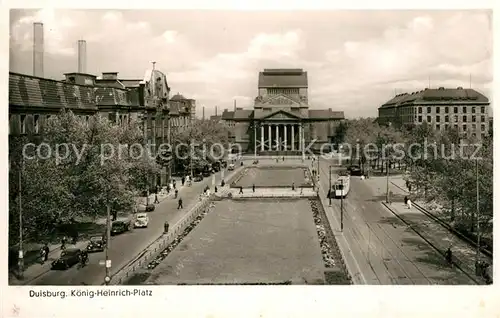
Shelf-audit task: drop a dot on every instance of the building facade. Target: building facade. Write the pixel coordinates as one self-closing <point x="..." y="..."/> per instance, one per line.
<point x="182" y="112"/>
<point x="281" y="121"/>
<point x="463" y="109"/>
<point x="33" y="100"/>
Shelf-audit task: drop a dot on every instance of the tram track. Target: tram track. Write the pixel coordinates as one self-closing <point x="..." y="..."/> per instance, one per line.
<point x="487" y="253"/>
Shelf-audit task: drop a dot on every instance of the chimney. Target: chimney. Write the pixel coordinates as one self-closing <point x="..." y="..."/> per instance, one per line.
<point x="216" y="111"/>
<point x="203" y="117"/>
<point x="82" y="56"/>
<point x="38" y="49"/>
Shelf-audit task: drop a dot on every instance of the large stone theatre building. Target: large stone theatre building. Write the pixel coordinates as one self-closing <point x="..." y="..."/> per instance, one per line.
<point x="281" y="121"/>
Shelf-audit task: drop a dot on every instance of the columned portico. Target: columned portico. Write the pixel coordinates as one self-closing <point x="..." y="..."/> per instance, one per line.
<point x="284" y="136"/>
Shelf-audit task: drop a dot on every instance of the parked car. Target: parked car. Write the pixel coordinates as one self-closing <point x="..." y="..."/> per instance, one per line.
<point x="230" y="167"/>
<point x="198" y="178"/>
<point x="119" y="227"/>
<point x="354" y="170"/>
<point x="141" y="220"/>
<point x="68" y="258"/>
<point x="145" y="208"/>
<point x="96" y="243"/>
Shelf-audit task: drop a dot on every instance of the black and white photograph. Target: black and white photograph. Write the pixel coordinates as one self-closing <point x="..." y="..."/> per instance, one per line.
<point x="162" y="147"/>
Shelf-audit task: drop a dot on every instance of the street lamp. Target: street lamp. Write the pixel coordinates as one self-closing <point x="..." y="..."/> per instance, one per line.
<point x="387" y="199"/>
<point x="342" y="206"/>
<point x="330" y="185"/>
<point x="478" y="233"/>
<point x="108" y="240"/>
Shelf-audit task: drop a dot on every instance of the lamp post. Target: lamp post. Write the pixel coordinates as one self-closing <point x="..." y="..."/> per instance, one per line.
<point x="21" y="252"/>
<point x="342" y="206"/>
<point x="387" y="181"/>
<point x="108" y="240"/>
<point x="329" y="185"/>
<point x="478" y="233"/>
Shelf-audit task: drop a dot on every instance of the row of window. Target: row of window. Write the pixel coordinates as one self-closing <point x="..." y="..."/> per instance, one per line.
<point x="284" y="91"/>
<point x="455" y="109"/>
<point x="36" y="123"/>
<point x="455" y="117"/>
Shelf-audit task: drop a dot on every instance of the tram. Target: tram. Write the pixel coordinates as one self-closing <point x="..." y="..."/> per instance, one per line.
<point x="342" y="186"/>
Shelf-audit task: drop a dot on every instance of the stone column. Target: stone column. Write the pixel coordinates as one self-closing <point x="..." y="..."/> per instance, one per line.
<point x="300" y="137"/>
<point x="277" y="138"/>
<point x="286" y="144"/>
<point x="261" y="137"/>
<point x="269" y="138"/>
<point x="293" y="137"/>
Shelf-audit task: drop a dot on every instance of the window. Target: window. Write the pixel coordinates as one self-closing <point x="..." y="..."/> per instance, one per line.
<point x="464" y="109"/>
<point x="428" y="110"/>
<point x="438" y="109"/>
<point x="483" y="135"/>
<point x="438" y="118"/>
<point x="455" y="110"/>
<point x="482" y="119"/>
<point x="455" y="126"/>
<point x="473" y="126"/>
<point x="464" y="127"/>
<point x="456" y="118"/>
<point x="446" y="109"/>
<point x="36" y="123"/>
<point x="438" y="127"/>
<point x="429" y="119"/>
<point x="23" y="124"/>
<point x="464" y="118"/>
<point x="473" y="134"/>
<point x="473" y="119"/>
<point x="446" y="118"/>
<point x="446" y="127"/>
<point x="419" y="119"/>
<point x="482" y="109"/>
<point x="483" y="127"/>
<point x="420" y="110"/>
<point x="473" y="110"/>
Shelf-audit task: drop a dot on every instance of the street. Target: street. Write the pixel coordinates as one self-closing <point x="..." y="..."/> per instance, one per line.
<point x="386" y="251"/>
<point x="125" y="247"/>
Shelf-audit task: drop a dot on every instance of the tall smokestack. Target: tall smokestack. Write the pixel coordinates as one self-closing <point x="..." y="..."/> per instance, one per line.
<point x="82" y="56"/>
<point x="203" y="117"/>
<point x="38" y="49"/>
<point x="215" y="110"/>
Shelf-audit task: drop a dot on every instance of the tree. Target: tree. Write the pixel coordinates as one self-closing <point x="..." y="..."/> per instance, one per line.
<point x="201" y="141"/>
<point x="96" y="167"/>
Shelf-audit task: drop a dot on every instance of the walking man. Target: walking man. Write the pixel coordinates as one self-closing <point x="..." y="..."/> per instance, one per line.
<point x="165" y="227"/>
<point x="63" y="243"/>
<point x="176" y="193"/>
<point x="156" y="199"/>
<point x="253" y="188"/>
<point x="406" y="200"/>
<point x="241" y="190"/>
<point x="409" y="204"/>
<point x="46" y="249"/>
<point x="293" y="186"/>
<point x="179" y="206"/>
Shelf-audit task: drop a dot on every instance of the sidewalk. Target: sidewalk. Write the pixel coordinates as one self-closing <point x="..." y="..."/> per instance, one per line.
<point x="272" y="192"/>
<point x="439" y="237"/>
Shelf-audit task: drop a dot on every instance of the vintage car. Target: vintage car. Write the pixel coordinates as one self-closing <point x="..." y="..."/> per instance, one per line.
<point x="198" y="178"/>
<point x="97" y="243"/>
<point x="230" y="167"/>
<point x="354" y="170"/>
<point x="119" y="227"/>
<point x="68" y="258"/>
<point x="141" y="220"/>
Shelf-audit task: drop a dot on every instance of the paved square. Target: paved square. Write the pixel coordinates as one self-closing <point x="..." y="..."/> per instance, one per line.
<point x="247" y="241"/>
<point x="277" y="176"/>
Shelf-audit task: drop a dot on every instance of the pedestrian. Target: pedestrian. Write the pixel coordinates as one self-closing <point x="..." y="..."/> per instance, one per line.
<point x="168" y="189"/>
<point x="179" y="206"/>
<point x="223" y="183"/>
<point x="448" y="255"/>
<point x="75" y="237"/>
<point x="63" y="243"/>
<point x="215" y="190"/>
<point x="302" y="191"/>
<point x="156" y="199"/>
<point x="176" y="193"/>
<point x="241" y="190"/>
<point x="208" y="192"/>
<point x="42" y="256"/>
<point x="47" y="250"/>
<point x="182" y="180"/>
<point x="409" y="187"/>
<point x="166" y="226"/>
<point x="175" y="186"/>
<point x="293" y="186"/>
<point x="409" y="204"/>
<point x="253" y="188"/>
<point x="406" y="200"/>
<point x="283" y="158"/>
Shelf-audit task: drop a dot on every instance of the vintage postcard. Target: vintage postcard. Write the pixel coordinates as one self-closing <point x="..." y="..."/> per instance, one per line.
<point x="152" y="148"/>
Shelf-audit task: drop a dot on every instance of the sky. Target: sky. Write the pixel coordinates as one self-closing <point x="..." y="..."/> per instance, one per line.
<point x="356" y="60"/>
